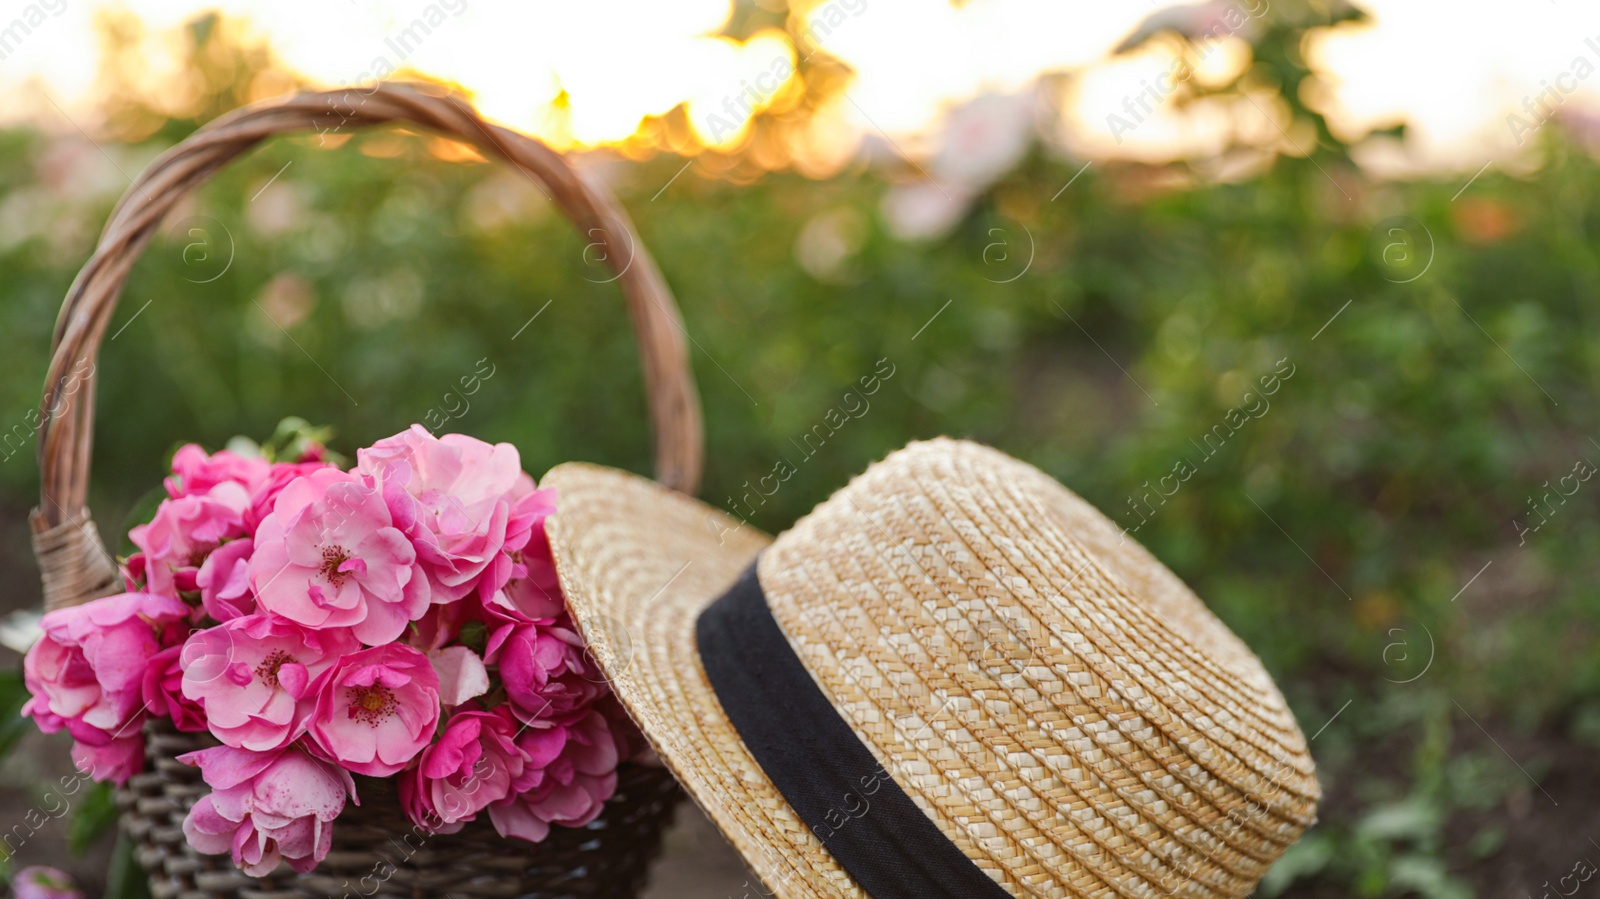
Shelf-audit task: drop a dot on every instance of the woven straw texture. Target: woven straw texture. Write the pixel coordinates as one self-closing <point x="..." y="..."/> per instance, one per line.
<point x="1066" y="711"/>
<point x="607" y="859"/>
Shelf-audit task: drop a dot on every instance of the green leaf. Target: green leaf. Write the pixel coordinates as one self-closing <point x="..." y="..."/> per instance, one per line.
<point x="144" y="509"/>
<point x="13" y="694"/>
<point x="125" y="879"/>
<point x="96" y="816"/>
<point x="1487" y="841"/>
<point x="474" y="636"/>
<point x="1306" y="858"/>
<point x="295" y="437"/>
<point x="1409" y="819"/>
<point x="1428" y="877"/>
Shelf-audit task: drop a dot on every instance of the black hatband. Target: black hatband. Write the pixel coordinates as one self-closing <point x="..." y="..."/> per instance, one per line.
<point x="863" y="818"/>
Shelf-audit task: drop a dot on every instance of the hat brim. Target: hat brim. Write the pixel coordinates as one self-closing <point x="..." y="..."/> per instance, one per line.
<point x="639" y="563"/>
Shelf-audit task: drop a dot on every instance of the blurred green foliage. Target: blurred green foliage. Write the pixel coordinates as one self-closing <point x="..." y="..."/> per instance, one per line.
<point x="1440" y="346"/>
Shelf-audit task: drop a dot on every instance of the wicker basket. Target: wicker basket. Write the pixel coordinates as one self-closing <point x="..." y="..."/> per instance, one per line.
<point x="375" y="852"/>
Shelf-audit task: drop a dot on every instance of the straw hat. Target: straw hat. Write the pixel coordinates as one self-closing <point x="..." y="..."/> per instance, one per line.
<point x="953" y="678"/>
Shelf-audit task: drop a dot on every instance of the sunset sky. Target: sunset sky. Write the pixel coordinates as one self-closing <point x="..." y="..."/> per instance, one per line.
<point x="1451" y="72"/>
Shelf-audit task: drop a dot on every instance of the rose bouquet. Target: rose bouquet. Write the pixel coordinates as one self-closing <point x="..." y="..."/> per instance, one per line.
<point x="401" y="619"/>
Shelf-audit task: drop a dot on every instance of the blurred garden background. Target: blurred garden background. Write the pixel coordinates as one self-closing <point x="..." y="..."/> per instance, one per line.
<point x="1081" y="235"/>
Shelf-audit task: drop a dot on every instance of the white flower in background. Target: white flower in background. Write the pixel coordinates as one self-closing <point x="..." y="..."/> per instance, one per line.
<point x="1199" y="21"/>
<point x="827" y="243"/>
<point x="977" y="144"/>
<point x="923" y="210"/>
<point x="985" y="138"/>
<point x="20" y="630"/>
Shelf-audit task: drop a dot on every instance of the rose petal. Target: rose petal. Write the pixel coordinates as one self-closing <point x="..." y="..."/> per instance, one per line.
<point x="462" y="675"/>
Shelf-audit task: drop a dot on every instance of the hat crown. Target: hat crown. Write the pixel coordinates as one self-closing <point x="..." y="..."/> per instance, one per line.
<point x="1056" y="700"/>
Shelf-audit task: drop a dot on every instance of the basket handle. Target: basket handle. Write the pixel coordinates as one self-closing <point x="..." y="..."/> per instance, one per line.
<point x="73" y="561"/>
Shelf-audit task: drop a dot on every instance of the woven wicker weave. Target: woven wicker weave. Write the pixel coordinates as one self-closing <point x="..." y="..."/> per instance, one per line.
<point x="377" y="855"/>
<point x="609" y="857"/>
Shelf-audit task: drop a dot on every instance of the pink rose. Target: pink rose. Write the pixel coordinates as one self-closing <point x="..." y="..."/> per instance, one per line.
<point x="255" y="677"/>
<point x="224" y="581"/>
<point x="571" y="772"/>
<point x="474" y="764"/>
<point x="134" y="573"/>
<point x="441" y="625"/>
<point x="545" y="671"/>
<point x="86" y="672"/>
<point x="184" y="531"/>
<point x="195" y="474"/>
<point x="39" y="882"/>
<point x="376" y="709"/>
<point x="453" y="496"/>
<point x="162" y="690"/>
<point x="329" y="555"/>
<point x="522" y="585"/>
<point x="266" y="493"/>
<point x="529" y="509"/>
<point x="115" y="761"/>
<point x="266" y="806"/>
